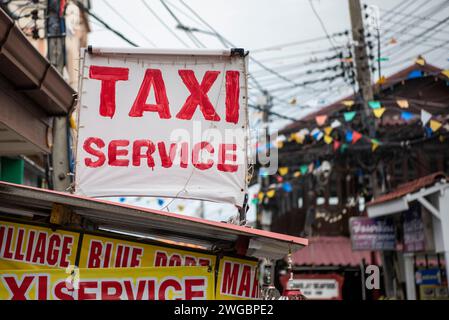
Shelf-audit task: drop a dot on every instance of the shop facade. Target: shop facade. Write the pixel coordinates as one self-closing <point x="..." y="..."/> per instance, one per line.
<point x="419" y="211"/>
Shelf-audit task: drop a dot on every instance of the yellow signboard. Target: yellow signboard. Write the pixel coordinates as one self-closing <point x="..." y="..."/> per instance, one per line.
<point x="173" y="283"/>
<point x="101" y="252"/>
<point x="237" y="279"/>
<point x="32" y="247"/>
<point x="25" y="250"/>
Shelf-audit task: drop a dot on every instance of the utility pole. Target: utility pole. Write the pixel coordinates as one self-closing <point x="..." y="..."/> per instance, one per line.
<point x="55" y="32"/>
<point x="363" y="76"/>
<point x="362" y="62"/>
<point x="366" y="91"/>
<point x="264" y="180"/>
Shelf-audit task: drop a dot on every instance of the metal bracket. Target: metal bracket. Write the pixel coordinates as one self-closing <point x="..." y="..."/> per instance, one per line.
<point x="238" y="52"/>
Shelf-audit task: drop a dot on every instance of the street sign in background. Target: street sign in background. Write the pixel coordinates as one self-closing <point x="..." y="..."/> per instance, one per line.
<point x="414" y="231"/>
<point x="372" y="234"/>
<point x="163" y="124"/>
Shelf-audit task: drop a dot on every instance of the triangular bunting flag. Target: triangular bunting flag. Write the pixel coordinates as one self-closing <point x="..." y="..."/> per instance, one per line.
<point x="406" y="115"/>
<point x="271" y="193"/>
<point x="336" y="145"/>
<point x="260" y="196"/>
<point x="348" y="136"/>
<point x="287" y="187"/>
<point x="393" y="41"/>
<point x="343" y="148"/>
<point x="335" y="124"/>
<point x="280" y="144"/>
<point x="328" y="139"/>
<point x="348" y="103"/>
<point x="321" y="120"/>
<point x="374" y="144"/>
<point x="317" y="134"/>
<point x="303" y="168"/>
<point x="446" y="73"/>
<point x="310" y="168"/>
<point x="379" y="112"/>
<point x="297" y="174"/>
<point x="356" y="136"/>
<point x="382" y="79"/>
<point x="435" y="125"/>
<point x="420" y="61"/>
<point x="414" y="74"/>
<point x="299" y="138"/>
<point x="425" y="117"/>
<point x="402" y="103"/>
<point x="328" y="130"/>
<point x="374" y="104"/>
<point x="349" y="116"/>
<point x="283" y="171"/>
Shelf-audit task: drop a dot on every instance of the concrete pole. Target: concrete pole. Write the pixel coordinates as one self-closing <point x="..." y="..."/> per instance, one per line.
<point x="56" y="56"/>
<point x="409" y="276"/>
<point x="444" y="218"/>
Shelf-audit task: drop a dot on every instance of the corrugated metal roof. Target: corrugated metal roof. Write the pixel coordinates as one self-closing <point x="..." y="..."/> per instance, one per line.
<point x="330" y="251"/>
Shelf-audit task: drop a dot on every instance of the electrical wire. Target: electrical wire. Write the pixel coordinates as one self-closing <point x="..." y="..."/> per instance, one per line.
<point x="147" y="6"/>
<point x="107" y="26"/>
<point x="129" y="23"/>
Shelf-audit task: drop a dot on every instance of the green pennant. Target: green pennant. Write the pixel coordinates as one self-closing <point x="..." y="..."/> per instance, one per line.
<point x="374" y="104"/>
<point x="304" y="168"/>
<point x="349" y="116"/>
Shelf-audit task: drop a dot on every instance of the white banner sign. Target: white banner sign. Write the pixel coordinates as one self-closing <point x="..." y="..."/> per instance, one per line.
<point x="317" y="289"/>
<point x="165" y="124"/>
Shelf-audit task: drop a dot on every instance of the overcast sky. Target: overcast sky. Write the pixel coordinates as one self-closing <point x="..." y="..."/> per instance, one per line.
<point x="257" y="24"/>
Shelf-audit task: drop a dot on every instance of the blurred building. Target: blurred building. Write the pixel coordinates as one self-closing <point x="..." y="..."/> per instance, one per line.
<point x="35" y="91"/>
<point x="327" y="160"/>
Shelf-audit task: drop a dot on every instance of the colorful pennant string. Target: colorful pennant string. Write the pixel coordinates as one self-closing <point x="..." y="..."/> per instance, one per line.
<point x="374" y="144"/>
<point x="336" y="145"/>
<point x="303" y="168"/>
<point x="348" y="136"/>
<point x="349" y="116"/>
<point x="348" y="103"/>
<point x="374" y="104"/>
<point x="356" y="136"/>
<point x="271" y="193"/>
<point x="425" y="117"/>
<point x="435" y="125"/>
<point x="335" y="124"/>
<point x="379" y="112"/>
<point x="402" y="103"/>
<point x="321" y="120"/>
<point x="283" y="171"/>
<point x="405" y="115"/>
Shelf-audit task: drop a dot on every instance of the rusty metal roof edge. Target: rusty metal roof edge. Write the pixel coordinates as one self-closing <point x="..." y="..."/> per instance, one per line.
<point x="33" y="69"/>
<point x="276" y="239"/>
